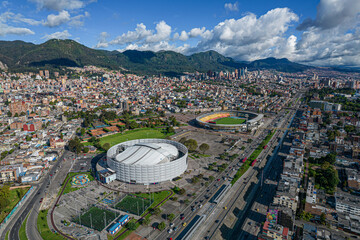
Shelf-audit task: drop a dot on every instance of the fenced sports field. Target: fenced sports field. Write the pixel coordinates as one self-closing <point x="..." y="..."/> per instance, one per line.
<point x="95" y="218"/>
<point x="133" y="204"/>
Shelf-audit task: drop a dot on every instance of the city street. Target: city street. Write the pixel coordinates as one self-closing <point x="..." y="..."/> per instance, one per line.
<point x="252" y="172"/>
<point x="33" y="204"/>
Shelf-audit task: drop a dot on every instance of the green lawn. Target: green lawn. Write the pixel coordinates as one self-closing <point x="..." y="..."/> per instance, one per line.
<point x="230" y="120"/>
<point x="15" y="196"/>
<point x="68" y="187"/>
<point x="22" y="231"/>
<point x="132" y="135"/>
<point x="95" y="218"/>
<point x="44" y="229"/>
<point x="7" y="235"/>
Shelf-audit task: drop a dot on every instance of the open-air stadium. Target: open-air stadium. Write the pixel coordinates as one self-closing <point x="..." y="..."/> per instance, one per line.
<point x="230" y="120"/>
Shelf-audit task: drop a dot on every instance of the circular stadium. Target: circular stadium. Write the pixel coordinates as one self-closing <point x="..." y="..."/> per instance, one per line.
<point x="230" y="120"/>
<point x="147" y="161"/>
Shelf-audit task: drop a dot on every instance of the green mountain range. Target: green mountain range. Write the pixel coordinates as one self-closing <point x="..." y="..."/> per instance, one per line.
<point x="23" y="56"/>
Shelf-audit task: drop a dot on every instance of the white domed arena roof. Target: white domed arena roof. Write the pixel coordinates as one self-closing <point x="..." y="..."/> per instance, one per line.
<point x="148" y="154"/>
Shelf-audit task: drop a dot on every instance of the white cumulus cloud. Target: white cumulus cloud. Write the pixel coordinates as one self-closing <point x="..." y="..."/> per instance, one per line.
<point x="141" y="35"/>
<point x="332" y="38"/>
<point x="57" y="35"/>
<point x="333" y="13"/>
<point x="249" y="37"/>
<point x="7" y="29"/>
<point x="102" y="43"/>
<point x="56" y="20"/>
<point x="59" y="5"/>
<point x="163" y="32"/>
<point x="232" y="6"/>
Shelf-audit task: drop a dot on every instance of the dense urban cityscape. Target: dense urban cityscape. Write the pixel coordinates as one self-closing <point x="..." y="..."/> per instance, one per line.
<point x="292" y="172"/>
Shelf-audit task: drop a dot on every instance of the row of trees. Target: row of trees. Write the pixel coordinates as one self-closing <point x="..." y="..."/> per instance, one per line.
<point x="9" y="114"/>
<point x="192" y="145"/>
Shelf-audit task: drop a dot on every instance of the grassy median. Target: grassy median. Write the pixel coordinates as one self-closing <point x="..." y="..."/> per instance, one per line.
<point x="44" y="229"/>
<point x="22" y="230"/>
<point x="252" y="157"/>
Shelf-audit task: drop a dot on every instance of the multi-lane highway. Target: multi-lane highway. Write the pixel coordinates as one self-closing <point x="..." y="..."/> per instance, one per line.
<point x="188" y="213"/>
<point x="281" y="120"/>
<point x="250" y="184"/>
<point x="249" y="224"/>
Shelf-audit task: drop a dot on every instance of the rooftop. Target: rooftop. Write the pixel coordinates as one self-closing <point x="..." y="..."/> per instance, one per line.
<point x="148" y="154"/>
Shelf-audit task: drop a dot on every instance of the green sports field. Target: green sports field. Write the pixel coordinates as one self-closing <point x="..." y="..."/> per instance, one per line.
<point x="131" y="135"/>
<point x="230" y="120"/>
<point x="134" y="205"/>
<point x="97" y="218"/>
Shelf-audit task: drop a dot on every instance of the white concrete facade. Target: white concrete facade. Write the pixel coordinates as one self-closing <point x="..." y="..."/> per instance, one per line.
<point x="132" y="160"/>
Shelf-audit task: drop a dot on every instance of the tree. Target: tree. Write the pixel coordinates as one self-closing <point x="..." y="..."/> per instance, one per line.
<point x="161" y="226"/>
<point x="61" y="136"/>
<point x="182" y="140"/>
<point x="16" y="115"/>
<point x="145" y="221"/>
<point x="211" y="178"/>
<point x="155" y="211"/>
<point x="82" y="131"/>
<point x="191" y="144"/>
<point x="170" y="130"/>
<point x="171" y="216"/>
<point x="350" y="128"/>
<point x="133" y="125"/>
<point x="75" y="145"/>
<point x="210" y="167"/>
<point x="195" y="180"/>
<point x="325" y="165"/>
<point x="86" y="150"/>
<point x="327" y="178"/>
<point x="181" y="191"/>
<point x="9" y="114"/>
<point x="4" y="197"/>
<point x="323" y="218"/>
<point x="131" y="226"/>
<point x="249" y="140"/>
<point x="204" y="147"/>
<point x="106" y="146"/>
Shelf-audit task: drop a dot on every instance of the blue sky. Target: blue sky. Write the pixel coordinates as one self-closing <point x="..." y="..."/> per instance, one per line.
<point x="316" y="32"/>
